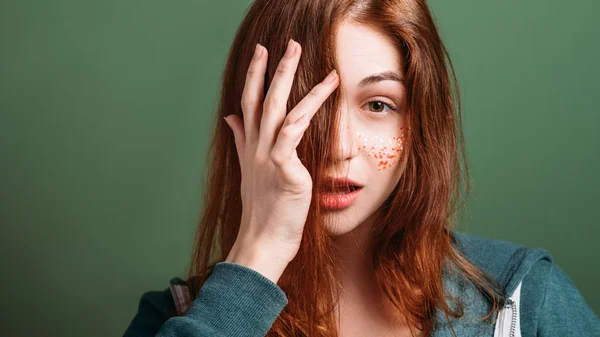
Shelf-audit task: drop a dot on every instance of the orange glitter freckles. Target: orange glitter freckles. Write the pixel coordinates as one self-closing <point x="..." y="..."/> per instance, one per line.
<point x="385" y="150"/>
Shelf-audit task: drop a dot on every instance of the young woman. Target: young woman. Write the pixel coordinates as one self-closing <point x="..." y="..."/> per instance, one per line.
<point x="329" y="205"/>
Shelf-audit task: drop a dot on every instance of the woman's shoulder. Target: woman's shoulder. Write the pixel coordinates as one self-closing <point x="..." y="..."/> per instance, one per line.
<point x="551" y="304"/>
<point x="506" y="261"/>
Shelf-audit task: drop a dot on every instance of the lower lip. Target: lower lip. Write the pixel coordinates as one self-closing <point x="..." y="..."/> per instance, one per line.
<point x="338" y="201"/>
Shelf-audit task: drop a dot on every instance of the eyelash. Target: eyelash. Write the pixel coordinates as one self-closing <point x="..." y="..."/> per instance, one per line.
<point x="392" y="106"/>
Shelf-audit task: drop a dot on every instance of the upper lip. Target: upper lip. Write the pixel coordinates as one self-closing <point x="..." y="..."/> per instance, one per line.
<point x="340" y="182"/>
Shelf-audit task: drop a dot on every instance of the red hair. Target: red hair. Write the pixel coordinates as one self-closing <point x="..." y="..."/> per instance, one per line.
<point x="413" y="236"/>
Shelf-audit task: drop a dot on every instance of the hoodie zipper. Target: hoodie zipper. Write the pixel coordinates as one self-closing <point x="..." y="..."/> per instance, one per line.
<point x="512" y="305"/>
<point x="505" y="328"/>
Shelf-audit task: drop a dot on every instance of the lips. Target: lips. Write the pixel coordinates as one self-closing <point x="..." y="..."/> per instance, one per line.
<point x="339" y="197"/>
<point x="339" y="185"/>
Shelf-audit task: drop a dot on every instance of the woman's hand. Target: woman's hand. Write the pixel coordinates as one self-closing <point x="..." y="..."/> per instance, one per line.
<point x="276" y="188"/>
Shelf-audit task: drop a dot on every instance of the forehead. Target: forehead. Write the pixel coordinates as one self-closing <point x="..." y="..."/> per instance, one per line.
<point x="362" y="51"/>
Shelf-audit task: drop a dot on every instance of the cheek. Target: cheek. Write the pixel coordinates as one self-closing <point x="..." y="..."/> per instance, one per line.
<point x="382" y="151"/>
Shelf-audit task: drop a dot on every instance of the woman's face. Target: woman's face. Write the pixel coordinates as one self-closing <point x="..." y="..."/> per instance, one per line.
<point x="371" y="131"/>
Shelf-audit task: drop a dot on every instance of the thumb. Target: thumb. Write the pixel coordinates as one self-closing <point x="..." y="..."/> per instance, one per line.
<point x="237" y="126"/>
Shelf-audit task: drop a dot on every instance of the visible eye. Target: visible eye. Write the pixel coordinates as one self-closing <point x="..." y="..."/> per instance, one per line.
<point x="378" y="106"/>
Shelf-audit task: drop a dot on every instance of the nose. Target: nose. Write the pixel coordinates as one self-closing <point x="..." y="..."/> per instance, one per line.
<point x="348" y="146"/>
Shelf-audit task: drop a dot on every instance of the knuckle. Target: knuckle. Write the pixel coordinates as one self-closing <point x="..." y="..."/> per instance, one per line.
<point x="248" y="101"/>
<point x="286" y="132"/>
<point x="289" y="120"/>
<point x="252" y="69"/>
<point x="272" y="104"/>
<point x="276" y="158"/>
<point x="314" y="92"/>
<point x="282" y="67"/>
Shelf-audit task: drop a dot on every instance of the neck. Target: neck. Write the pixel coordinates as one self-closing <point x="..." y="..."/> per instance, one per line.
<point x="354" y="255"/>
<point x="362" y="301"/>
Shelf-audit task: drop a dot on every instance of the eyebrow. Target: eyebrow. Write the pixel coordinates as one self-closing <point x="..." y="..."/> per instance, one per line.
<point x="384" y="76"/>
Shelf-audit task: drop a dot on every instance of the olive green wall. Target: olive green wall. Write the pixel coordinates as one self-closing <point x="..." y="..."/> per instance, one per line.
<point x="105" y="108"/>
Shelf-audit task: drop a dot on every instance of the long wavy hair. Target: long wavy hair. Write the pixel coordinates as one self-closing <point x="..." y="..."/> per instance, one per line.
<point x="413" y="239"/>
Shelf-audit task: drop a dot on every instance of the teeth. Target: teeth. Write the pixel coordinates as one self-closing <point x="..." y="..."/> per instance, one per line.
<point x="341" y="190"/>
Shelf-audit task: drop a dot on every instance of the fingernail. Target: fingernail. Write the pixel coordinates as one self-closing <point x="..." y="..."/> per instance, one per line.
<point x="330" y="77"/>
<point x="257" y="51"/>
<point x="291" y="48"/>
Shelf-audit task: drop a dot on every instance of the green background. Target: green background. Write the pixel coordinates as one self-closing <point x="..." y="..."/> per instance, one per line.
<point x="105" y="112"/>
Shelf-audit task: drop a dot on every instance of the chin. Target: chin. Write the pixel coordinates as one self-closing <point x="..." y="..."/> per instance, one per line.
<point x="341" y="222"/>
<point x="340" y="229"/>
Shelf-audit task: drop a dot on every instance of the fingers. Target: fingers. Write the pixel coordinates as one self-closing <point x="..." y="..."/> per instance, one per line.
<point x="299" y="118"/>
<point x="263" y="121"/>
<point x="314" y="99"/>
<point x="253" y="93"/>
<point x="275" y="104"/>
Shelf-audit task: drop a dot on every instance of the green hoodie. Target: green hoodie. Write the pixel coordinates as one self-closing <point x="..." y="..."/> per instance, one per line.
<point x="237" y="301"/>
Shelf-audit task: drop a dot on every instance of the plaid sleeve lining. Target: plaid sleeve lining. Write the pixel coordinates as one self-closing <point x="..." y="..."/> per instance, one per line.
<point x="181" y="295"/>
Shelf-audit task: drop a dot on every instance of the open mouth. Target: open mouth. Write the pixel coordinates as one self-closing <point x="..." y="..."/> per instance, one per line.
<point x="339" y="197"/>
<point x="342" y="189"/>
